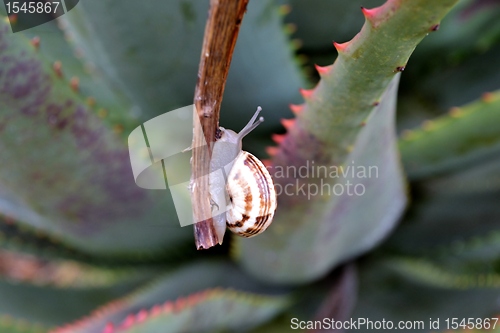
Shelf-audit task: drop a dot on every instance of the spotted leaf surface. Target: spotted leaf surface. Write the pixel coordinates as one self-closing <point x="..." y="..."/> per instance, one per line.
<point x="66" y="172"/>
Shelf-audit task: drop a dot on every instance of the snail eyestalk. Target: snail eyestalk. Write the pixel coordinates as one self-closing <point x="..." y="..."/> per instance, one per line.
<point x="252" y="124"/>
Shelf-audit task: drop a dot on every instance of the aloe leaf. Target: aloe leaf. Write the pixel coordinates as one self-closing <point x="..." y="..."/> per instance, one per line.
<point x="438" y="273"/>
<point x="67" y="289"/>
<point x="328" y="243"/>
<point x="433" y="230"/>
<point x="201" y="312"/>
<point x="452" y="252"/>
<point x="444" y="222"/>
<point x="12" y="325"/>
<point x="437" y="244"/>
<point x="113" y="110"/>
<point x="481" y="178"/>
<point x="309" y="238"/>
<point x="64" y="171"/>
<point x="51" y="305"/>
<point x="385" y="295"/>
<point x="205" y="296"/>
<point x="152" y="30"/>
<point x="152" y="51"/>
<point x="15" y="237"/>
<point x="23" y="239"/>
<point x="17" y="267"/>
<point x="110" y="104"/>
<point x="453" y="141"/>
<point x="444" y="207"/>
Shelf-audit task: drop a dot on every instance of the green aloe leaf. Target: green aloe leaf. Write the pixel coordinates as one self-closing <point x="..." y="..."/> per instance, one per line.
<point x="63" y="289"/>
<point x="11" y="325"/>
<point x="19" y="238"/>
<point x="454" y="141"/>
<point x="49" y="305"/>
<point x="66" y="172"/>
<point x="201" y="312"/>
<point x="448" y="272"/>
<point x="384" y="295"/>
<point x="346" y="122"/>
<point x="332" y="231"/>
<point x="30" y="269"/>
<point x="16" y="237"/>
<point x="443" y="208"/>
<point x="111" y="105"/>
<point x="438" y="245"/>
<point x="165" y="39"/>
<point x="207" y="296"/>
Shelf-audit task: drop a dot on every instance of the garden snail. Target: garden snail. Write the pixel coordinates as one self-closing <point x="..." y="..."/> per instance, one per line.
<point x="245" y="200"/>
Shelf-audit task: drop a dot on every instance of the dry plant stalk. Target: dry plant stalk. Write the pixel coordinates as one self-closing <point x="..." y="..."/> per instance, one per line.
<point x="221" y="32"/>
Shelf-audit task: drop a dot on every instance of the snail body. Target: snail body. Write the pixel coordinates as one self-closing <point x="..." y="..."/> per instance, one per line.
<point x="248" y="196"/>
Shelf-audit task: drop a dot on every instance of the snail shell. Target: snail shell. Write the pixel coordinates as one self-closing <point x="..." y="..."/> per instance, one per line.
<point x="252" y="195"/>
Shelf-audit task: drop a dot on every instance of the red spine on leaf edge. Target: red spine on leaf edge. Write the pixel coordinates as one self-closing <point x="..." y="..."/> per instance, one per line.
<point x="287" y="123"/>
<point x="307" y="94"/>
<point x="296" y="108"/>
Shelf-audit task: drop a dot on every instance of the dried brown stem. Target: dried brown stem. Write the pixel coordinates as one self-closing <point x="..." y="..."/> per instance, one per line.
<point x="221" y="32"/>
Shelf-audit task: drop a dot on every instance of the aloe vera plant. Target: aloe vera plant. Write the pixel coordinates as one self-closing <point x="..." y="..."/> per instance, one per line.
<point x="379" y="217"/>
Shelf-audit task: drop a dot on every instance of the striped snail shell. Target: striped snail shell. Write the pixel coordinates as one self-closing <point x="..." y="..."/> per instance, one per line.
<point x="244" y="200"/>
<point x="252" y="195"/>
